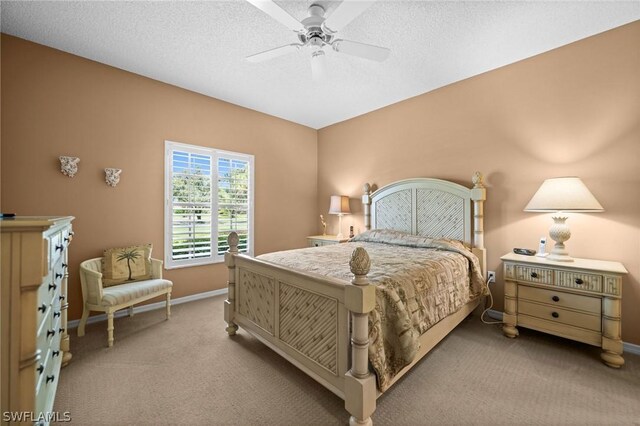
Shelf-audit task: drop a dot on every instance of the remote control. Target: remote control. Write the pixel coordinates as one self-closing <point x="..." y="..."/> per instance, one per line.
<point x="526" y="252"/>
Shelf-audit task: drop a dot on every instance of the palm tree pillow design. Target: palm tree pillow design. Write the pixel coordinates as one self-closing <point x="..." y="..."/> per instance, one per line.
<point x="126" y="264"/>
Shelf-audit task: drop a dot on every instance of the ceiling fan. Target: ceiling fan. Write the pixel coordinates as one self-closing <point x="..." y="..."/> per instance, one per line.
<point x="318" y="33"/>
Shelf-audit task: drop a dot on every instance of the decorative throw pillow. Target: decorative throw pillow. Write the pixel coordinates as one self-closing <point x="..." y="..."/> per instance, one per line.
<point x="126" y="264"/>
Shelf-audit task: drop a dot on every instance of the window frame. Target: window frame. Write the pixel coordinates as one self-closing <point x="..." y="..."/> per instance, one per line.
<point x="215" y="154"/>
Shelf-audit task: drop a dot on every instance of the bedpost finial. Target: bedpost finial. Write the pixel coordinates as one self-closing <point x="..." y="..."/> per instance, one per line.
<point x="367" y="188"/>
<point x="360" y="263"/>
<point x="478" y="180"/>
<point x="233" y="241"/>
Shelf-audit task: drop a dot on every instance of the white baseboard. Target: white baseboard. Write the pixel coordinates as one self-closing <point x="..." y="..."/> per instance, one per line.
<point x="626" y="347"/>
<point x="150" y="307"/>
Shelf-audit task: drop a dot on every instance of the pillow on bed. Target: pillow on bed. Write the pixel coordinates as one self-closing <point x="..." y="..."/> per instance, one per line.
<point x="126" y="264"/>
<point x="389" y="236"/>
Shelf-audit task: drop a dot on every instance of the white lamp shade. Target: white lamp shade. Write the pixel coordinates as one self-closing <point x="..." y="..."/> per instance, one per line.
<point x="339" y="205"/>
<point x="567" y="194"/>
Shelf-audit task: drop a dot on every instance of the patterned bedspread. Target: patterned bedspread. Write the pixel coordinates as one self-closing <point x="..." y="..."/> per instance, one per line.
<point x="418" y="280"/>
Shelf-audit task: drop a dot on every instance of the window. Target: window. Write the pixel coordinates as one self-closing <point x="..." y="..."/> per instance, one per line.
<point x="208" y="194"/>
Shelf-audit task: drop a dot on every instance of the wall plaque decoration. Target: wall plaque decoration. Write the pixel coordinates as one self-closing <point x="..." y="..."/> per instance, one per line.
<point x="112" y="176"/>
<point x="69" y="165"/>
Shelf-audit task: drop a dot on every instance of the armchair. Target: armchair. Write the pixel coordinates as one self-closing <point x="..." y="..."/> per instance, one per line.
<point x="110" y="299"/>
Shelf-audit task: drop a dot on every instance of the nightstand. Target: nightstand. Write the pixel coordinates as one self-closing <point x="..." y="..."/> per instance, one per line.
<point x="324" y="240"/>
<point x="579" y="300"/>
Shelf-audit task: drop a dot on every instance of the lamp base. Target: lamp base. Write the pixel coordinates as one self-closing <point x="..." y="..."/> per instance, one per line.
<point x="559" y="232"/>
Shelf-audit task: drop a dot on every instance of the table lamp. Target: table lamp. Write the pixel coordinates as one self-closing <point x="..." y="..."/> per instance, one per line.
<point x="340" y="206"/>
<point x="559" y="195"/>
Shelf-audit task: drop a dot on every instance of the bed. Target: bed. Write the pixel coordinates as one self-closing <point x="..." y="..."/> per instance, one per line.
<point x="319" y="309"/>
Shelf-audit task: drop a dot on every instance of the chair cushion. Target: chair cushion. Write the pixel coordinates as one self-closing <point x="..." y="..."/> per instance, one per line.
<point x="126" y="264"/>
<point x="119" y="294"/>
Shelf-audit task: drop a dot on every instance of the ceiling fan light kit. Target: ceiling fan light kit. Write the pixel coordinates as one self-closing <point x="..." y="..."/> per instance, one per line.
<point x="316" y="32"/>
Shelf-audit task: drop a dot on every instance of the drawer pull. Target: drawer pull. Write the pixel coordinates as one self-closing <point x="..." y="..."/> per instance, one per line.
<point x="555" y="314"/>
<point x="55" y="354"/>
<point x="579" y="281"/>
<point x="40" y="369"/>
<point x="52" y="286"/>
<point x="42" y="308"/>
<point x="56" y="314"/>
<point x="61" y="330"/>
<point x="58" y="275"/>
<point x="555" y="298"/>
<point x="534" y="275"/>
<point x="61" y="297"/>
<point x="64" y="265"/>
<point x="67" y="239"/>
<point x="50" y="378"/>
<point x="60" y="247"/>
<point x="51" y="333"/>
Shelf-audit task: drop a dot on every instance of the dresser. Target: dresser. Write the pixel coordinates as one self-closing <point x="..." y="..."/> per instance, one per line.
<point x="35" y="343"/>
<point x="579" y="300"/>
<point x="324" y="240"/>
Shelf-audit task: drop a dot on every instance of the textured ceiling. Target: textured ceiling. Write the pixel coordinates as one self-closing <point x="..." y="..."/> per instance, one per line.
<point x="201" y="46"/>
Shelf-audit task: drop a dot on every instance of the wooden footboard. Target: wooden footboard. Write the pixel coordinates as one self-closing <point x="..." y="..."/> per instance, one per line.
<point x="305" y="318"/>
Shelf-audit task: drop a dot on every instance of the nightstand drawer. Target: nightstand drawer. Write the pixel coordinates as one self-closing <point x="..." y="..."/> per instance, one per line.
<point x="564" y="300"/>
<point x="579" y="281"/>
<point x="559" y="315"/>
<point x="534" y="274"/>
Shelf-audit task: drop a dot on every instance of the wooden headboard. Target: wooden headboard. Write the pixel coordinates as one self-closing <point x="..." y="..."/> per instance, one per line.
<point x="430" y="207"/>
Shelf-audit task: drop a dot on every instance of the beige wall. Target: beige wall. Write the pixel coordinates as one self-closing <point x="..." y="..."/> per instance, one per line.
<point x="54" y="103"/>
<point x="571" y="111"/>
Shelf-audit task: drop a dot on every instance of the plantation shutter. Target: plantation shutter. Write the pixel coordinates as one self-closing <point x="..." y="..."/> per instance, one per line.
<point x="191" y="206"/>
<point x="234" y="207"/>
<point x="209" y="193"/>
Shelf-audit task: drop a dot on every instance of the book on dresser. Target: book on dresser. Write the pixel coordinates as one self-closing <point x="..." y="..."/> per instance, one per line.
<point x="34" y="340"/>
<point x="579" y="300"/>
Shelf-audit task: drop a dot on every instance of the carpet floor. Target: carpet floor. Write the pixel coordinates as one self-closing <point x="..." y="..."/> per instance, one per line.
<point x="188" y="371"/>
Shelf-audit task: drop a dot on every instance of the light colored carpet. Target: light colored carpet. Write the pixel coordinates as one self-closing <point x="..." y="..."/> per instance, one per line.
<point x="188" y="371"/>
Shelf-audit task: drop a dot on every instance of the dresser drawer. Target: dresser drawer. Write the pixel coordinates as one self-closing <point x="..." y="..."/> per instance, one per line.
<point x="534" y="274"/>
<point x="562" y="330"/>
<point x="564" y="300"/>
<point x="579" y="281"/>
<point x="559" y="315"/>
<point x="56" y="246"/>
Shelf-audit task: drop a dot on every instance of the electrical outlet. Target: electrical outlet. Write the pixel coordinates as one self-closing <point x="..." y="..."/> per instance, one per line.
<point x="491" y="277"/>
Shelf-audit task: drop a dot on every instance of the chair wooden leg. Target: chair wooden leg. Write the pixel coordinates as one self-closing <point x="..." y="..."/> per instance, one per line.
<point x="168" y="305"/>
<point x="110" y="328"/>
<point x="131" y="311"/>
<point x="83" y="321"/>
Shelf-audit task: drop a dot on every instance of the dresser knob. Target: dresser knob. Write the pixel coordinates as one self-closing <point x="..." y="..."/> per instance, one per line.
<point x="61" y="297"/>
<point x="555" y="298"/>
<point x="50" y="378"/>
<point x="579" y="281"/>
<point x="52" y="286"/>
<point x="56" y="314"/>
<point x="555" y="314"/>
<point x="534" y="275"/>
<point x="40" y="368"/>
<point x="64" y="265"/>
<point x="55" y="354"/>
<point x="42" y="308"/>
<point x="67" y="239"/>
<point x="59" y="248"/>
<point x="51" y="333"/>
<point x="58" y="275"/>
<point x="61" y="330"/>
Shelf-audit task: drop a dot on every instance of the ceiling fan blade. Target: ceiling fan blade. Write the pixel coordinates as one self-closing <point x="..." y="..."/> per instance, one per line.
<point x="273" y="53"/>
<point x="278" y="13"/>
<point x="318" y="66"/>
<point x="346" y="12"/>
<point x="367" y="51"/>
